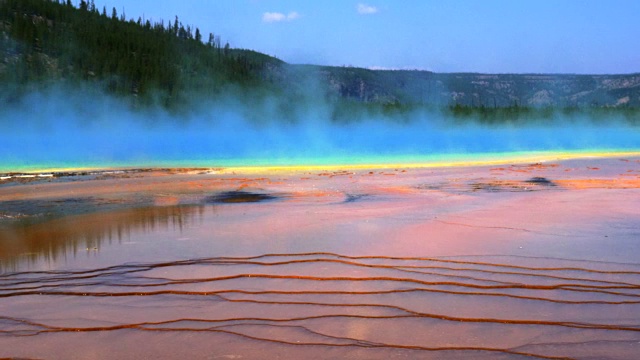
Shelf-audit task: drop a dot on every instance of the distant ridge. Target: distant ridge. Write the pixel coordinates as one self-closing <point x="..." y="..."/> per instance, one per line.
<point x="476" y="89"/>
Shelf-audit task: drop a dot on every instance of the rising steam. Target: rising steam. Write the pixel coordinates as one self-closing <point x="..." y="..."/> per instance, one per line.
<point x="87" y="128"/>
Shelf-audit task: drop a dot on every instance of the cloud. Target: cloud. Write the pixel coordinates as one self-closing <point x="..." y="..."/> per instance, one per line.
<point x="273" y="17"/>
<point x="293" y="15"/>
<point x="364" y="9"/>
<point x="270" y="17"/>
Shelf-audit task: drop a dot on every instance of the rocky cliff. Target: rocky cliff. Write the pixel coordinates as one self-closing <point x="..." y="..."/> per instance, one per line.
<point x="472" y="89"/>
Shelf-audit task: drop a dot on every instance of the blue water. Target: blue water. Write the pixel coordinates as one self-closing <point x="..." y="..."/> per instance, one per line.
<point x="61" y="132"/>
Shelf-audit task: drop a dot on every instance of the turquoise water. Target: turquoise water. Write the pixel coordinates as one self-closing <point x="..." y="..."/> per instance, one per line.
<point x="58" y="134"/>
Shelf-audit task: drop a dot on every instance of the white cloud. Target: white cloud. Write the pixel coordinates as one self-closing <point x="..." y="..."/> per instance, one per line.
<point x="270" y="17"/>
<point x="273" y="17"/>
<point x="293" y="15"/>
<point x="365" y="9"/>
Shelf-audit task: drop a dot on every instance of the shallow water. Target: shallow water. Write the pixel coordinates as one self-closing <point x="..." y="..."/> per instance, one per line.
<point x="319" y="304"/>
<point x="454" y="263"/>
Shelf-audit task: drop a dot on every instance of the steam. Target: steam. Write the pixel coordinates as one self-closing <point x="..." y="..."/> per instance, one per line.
<point x="62" y="128"/>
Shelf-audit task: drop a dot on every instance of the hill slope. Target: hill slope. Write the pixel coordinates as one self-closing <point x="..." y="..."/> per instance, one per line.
<point x="45" y="42"/>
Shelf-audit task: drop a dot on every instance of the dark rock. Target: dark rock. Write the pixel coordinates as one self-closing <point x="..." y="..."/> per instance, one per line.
<point x="232" y="197"/>
<point x="540" y="181"/>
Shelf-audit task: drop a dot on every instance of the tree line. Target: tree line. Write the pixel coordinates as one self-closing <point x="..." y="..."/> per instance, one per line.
<point x="54" y="40"/>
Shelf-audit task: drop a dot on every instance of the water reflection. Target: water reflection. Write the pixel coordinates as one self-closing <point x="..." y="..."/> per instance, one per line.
<point x="29" y="241"/>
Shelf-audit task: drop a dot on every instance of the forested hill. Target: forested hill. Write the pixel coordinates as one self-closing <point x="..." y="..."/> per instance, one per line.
<point x="48" y="43"/>
<point x="45" y="42"/>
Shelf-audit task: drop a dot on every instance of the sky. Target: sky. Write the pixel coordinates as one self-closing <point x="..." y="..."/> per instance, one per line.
<point x="488" y="36"/>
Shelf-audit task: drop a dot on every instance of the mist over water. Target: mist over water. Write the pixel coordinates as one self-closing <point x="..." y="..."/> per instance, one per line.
<point x="74" y="129"/>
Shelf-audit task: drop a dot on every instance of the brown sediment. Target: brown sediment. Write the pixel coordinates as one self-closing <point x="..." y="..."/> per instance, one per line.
<point x="345" y="341"/>
<point x="334" y="301"/>
<point x="599" y="183"/>
<point x="446" y="263"/>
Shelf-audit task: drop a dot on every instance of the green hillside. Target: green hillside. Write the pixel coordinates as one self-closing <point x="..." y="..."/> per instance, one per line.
<point x="48" y="42"/>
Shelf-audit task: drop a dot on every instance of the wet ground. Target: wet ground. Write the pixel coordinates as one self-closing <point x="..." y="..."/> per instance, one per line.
<point x="517" y="261"/>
